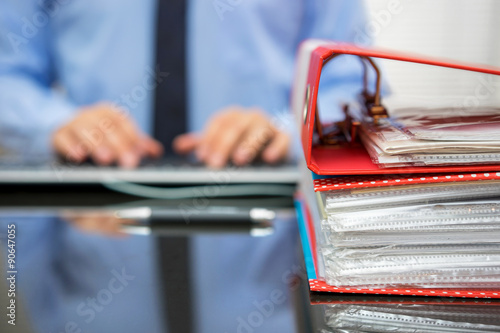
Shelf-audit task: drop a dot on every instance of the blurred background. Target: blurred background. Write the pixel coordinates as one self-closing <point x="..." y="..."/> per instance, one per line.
<point x="456" y="29"/>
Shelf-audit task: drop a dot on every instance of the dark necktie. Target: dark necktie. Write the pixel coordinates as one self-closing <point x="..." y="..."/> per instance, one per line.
<point x="170" y="121"/>
<point x="170" y="96"/>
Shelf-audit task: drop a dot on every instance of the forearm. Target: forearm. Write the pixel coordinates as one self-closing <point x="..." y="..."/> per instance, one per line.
<point x="30" y="109"/>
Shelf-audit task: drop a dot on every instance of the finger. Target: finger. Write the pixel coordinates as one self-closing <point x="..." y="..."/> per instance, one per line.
<point x="98" y="224"/>
<point x="221" y="147"/>
<point x="124" y="149"/>
<point x="111" y="226"/>
<point x="95" y="147"/>
<point x="103" y="155"/>
<point x="66" y="144"/>
<point x="278" y="148"/>
<point x="255" y="140"/>
<point x="203" y="149"/>
<point x="138" y="143"/>
<point x="218" y="124"/>
<point x="127" y="126"/>
<point x="150" y="147"/>
<point x="87" y="224"/>
<point x="186" y="143"/>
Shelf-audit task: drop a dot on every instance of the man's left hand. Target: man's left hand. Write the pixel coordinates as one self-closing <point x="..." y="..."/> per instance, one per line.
<point x="238" y="135"/>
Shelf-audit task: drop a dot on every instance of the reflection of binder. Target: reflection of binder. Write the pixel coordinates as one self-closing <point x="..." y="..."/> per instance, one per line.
<point x="352" y="158"/>
<point x="479" y="316"/>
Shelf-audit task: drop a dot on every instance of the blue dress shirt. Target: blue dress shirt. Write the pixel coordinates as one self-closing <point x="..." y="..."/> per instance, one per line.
<point x="65" y="54"/>
<point x="59" y="55"/>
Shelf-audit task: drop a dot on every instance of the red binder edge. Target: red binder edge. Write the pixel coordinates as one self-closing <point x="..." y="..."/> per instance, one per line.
<point x="327" y="299"/>
<point x="354" y="182"/>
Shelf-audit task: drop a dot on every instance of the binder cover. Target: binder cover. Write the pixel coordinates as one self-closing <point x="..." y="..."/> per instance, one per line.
<point x="352" y="159"/>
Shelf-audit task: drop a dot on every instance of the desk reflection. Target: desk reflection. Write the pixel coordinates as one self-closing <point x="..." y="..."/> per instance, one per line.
<point x="87" y="275"/>
<point x="413" y="318"/>
<point x="345" y="313"/>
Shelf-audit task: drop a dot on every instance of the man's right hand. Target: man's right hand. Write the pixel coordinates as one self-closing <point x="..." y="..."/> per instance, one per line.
<point x="105" y="134"/>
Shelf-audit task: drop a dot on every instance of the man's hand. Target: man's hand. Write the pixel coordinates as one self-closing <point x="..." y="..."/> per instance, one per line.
<point x="98" y="222"/>
<point x="106" y="135"/>
<point x="236" y="134"/>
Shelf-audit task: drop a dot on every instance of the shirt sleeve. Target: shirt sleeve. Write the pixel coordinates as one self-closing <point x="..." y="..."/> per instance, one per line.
<point x="32" y="107"/>
<point x="342" y="78"/>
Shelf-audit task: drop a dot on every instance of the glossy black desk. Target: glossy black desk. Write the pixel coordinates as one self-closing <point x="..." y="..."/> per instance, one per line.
<point x="85" y="264"/>
<point x="82" y="267"/>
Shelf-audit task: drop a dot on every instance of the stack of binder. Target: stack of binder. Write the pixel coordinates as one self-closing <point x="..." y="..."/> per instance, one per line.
<point x="417" y="222"/>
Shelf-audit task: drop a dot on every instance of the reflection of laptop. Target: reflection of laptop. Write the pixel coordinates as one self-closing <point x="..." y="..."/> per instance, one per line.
<point x="16" y="169"/>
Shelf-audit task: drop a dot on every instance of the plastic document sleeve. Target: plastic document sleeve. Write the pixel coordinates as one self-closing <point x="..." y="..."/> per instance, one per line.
<point x="318" y="284"/>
